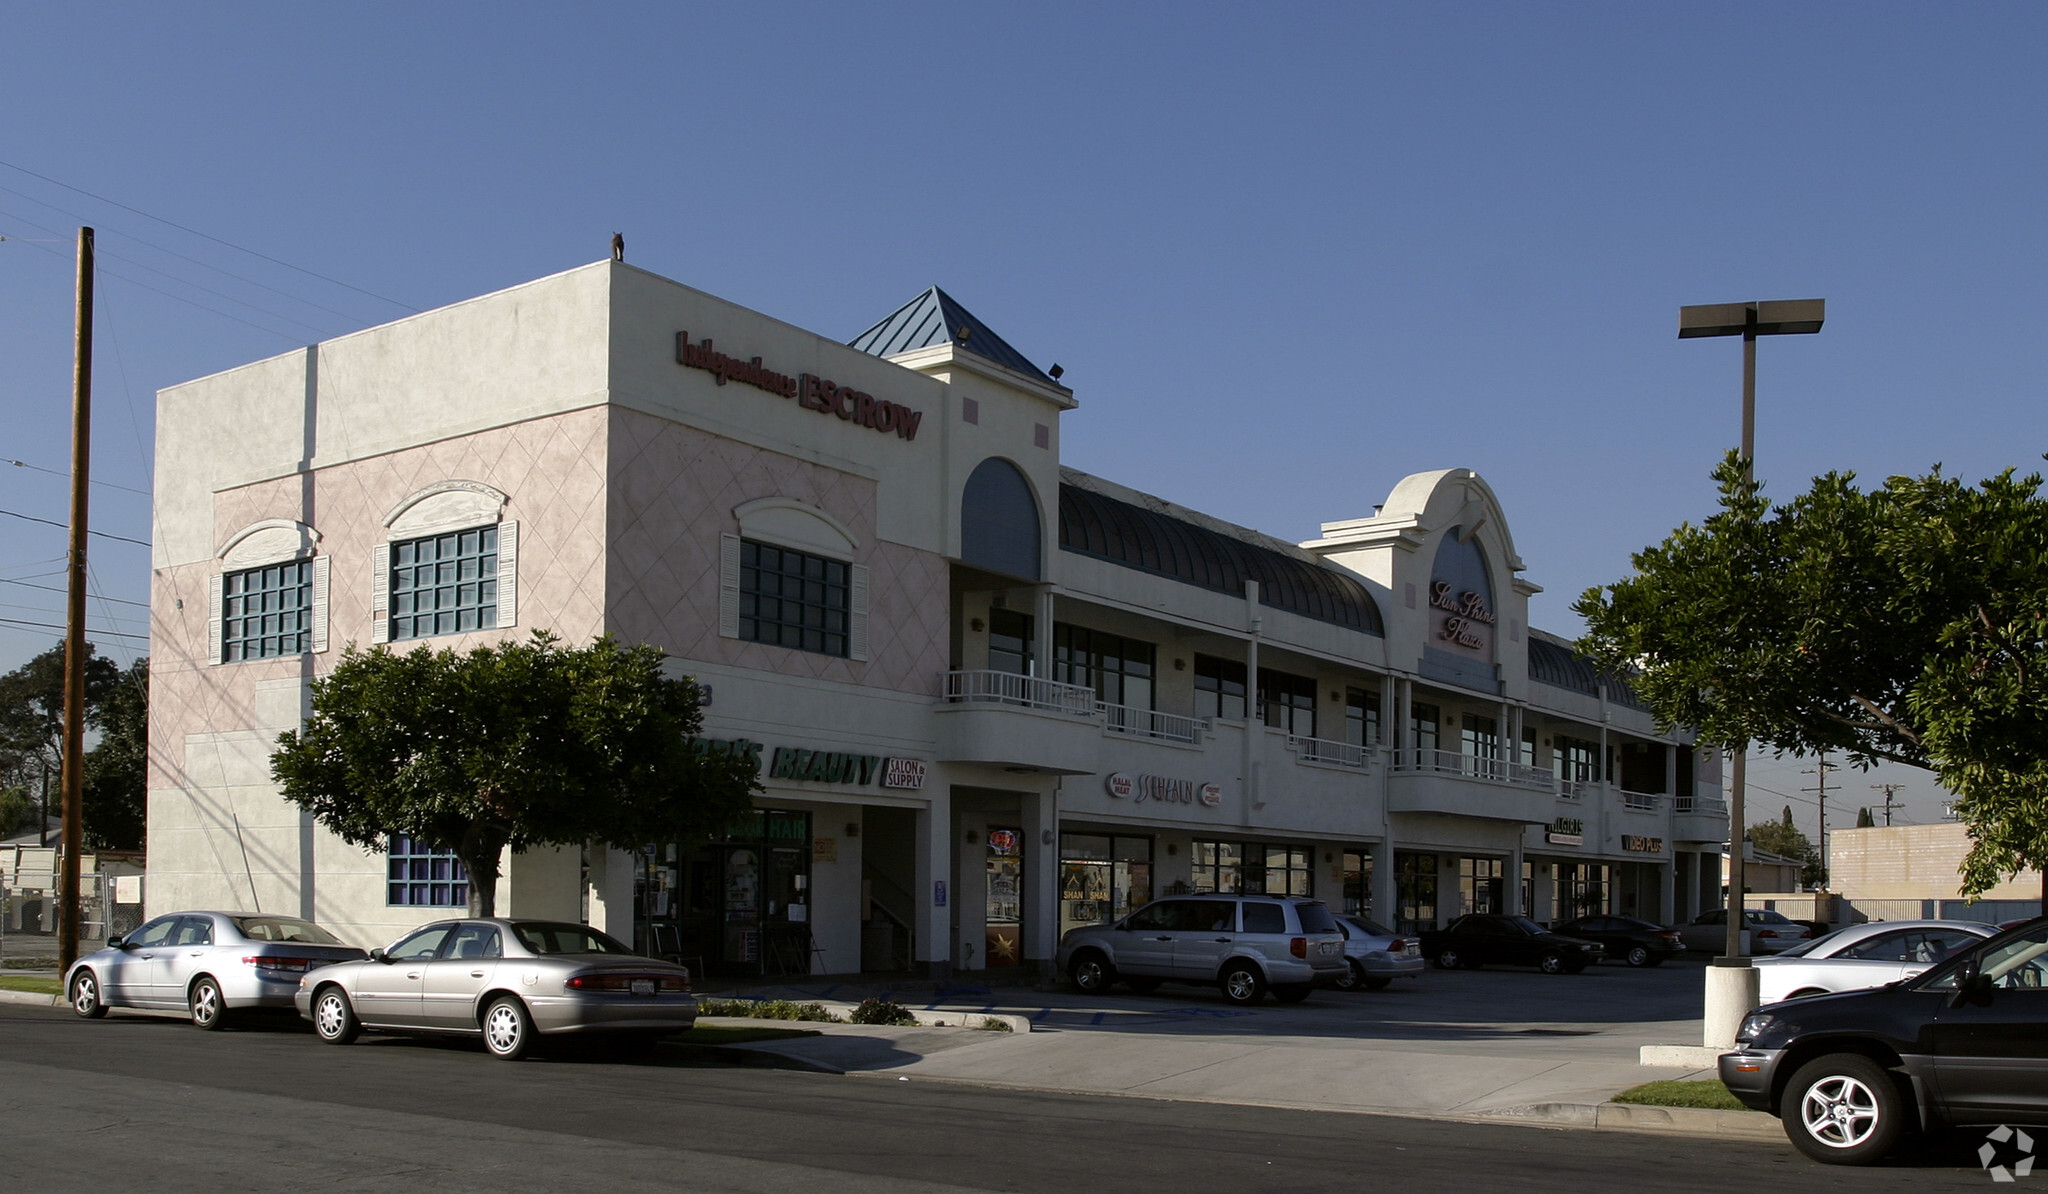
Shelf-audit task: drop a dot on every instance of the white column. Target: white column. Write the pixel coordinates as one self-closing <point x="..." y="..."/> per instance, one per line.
<point x="1254" y="736"/>
<point x="611" y="891"/>
<point x="934" y="946"/>
<point x="1041" y="632"/>
<point x="1041" y="879"/>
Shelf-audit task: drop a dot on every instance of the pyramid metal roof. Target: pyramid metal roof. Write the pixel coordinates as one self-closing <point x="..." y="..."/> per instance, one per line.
<point x="935" y="318"/>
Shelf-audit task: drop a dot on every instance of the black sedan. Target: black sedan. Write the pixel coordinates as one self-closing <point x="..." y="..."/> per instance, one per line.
<point x="1964" y="1043"/>
<point x="1626" y="939"/>
<point x="1481" y="938"/>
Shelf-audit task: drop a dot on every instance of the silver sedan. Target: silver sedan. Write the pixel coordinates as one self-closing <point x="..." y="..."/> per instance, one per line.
<point x="1867" y="955"/>
<point x="503" y="981"/>
<point x="205" y="964"/>
<point x="1377" y="955"/>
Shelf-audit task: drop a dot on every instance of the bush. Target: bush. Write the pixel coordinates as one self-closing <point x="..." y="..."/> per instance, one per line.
<point x="765" y="1009"/>
<point x="877" y="1010"/>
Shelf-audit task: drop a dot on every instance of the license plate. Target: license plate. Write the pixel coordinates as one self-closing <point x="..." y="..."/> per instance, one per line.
<point x="643" y="986"/>
<point x="1328" y="948"/>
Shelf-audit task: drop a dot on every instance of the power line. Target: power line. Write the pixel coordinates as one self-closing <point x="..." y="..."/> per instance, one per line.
<point x="52" y="522"/>
<point x="53" y="472"/>
<point x="204" y="236"/>
<point x="59" y="626"/>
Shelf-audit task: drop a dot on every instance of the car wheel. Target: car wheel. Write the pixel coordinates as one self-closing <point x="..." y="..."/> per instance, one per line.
<point x="209" y="1010"/>
<point x="1352" y="978"/>
<point x="508" y="1030"/>
<point x="1242" y="985"/>
<point x="1843" y="1109"/>
<point x="1377" y="984"/>
<point x="1143" y="986"/>
<point x="1448" y="959"/>
<point x="334" y="1020"/>
<point x="1552" y="963"/>
<point x="1639" y="955"/>
<point x="1292" y="992"/>
<point x="85" y="995"/>
<point x="1091" y="973"/>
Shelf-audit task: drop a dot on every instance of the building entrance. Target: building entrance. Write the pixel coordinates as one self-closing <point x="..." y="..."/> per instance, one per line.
<point x="740" y="905"/>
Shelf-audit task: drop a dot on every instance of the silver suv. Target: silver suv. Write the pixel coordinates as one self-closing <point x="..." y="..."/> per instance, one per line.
<point x="1245" y="944"/>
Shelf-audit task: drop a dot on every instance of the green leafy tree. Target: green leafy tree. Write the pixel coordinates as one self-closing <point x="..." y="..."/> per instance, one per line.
<point x="117" y="767"/>
<point x="17" y="811"/>
<point x="1906" y="623"/>
<point x="520" y="744"/>
<point x="1786" y="840"/>
<point x="32" y="720"/>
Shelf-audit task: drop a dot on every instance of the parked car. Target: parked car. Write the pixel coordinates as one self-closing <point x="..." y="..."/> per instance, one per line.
<point x="1961" y="1044"/>
<point x="505" y="981"/>
<point x="1868" y="955"/>
<point x="1246" y="945"/>
<point x="1769" y="931"/>
<point x="1482" y="938"/>
<point x="1625" y="939"/>
<point x="210" y="965"/>
<point x="1377" y="955"/>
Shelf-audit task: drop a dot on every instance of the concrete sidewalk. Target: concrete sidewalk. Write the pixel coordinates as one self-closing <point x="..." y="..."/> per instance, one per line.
<point x="1437" y="1053"/>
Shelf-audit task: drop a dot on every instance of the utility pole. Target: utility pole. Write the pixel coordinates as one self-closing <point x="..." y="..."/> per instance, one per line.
<point x="1889" y="804"/>
<point x="1822" y="789"/>
<point x="74" y="632"/>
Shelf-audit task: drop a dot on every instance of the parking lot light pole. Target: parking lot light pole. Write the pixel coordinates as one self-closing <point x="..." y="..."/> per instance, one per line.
<point x="1732" y="981"/>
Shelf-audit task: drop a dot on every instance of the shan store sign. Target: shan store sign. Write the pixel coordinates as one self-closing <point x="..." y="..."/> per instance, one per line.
<point x="1161" y="788"/>
<point x="811" y="392"/>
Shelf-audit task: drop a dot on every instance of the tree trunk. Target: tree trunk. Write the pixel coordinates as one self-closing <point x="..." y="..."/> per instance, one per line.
<point x="480" y="852"/>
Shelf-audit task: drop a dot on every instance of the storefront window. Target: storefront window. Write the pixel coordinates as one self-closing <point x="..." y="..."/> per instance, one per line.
<point x="741" y="904"/>
<point x="1102" y="878"/>
<point x="1582" y="889"/>
<point x="1415" y="891"/>
<point x="1480" y="885"/>
<point x="1357" y="899"/>
<point x="1252" y="869"/>
<point x="1005" y="907"/>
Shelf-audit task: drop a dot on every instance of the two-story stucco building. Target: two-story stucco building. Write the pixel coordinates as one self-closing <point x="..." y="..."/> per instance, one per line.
<point x="992" y="697"/>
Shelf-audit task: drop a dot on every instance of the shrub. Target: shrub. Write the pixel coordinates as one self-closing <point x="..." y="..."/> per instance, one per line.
<point x="765" y="1009"/>
<point x="877" y="1010"/>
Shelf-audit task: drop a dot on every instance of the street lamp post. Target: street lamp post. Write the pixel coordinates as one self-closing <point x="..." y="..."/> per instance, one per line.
<point x="1732" y="981"/>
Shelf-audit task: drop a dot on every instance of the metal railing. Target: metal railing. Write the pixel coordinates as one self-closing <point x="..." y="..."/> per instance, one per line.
<point x="1479" y="767"/>
<point x="1577" y="789"/>
<point x="1030" y="692"/>
<point x="1640" y="801"/>
<point x="1323" y="750"/>
<point x="1147" y="723"/>
<point x="1706" y="806"/>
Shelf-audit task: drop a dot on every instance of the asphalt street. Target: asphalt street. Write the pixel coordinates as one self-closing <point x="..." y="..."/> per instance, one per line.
<point x="150" y="1103"/>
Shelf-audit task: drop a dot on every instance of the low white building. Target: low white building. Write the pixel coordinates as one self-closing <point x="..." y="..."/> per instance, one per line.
<point x="992" y="697"/>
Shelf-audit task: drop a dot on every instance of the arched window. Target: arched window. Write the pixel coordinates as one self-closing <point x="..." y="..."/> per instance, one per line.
<point x="999" y="523"/>
<point x="269" y="598"/>
<point x="449" y="564"/>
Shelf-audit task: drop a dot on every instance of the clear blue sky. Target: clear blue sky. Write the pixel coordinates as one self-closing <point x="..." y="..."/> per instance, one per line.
<point x="1286" y="253"/>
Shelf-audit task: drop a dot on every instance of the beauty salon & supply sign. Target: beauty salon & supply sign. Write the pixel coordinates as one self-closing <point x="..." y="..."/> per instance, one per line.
<point x="809" y="390"/>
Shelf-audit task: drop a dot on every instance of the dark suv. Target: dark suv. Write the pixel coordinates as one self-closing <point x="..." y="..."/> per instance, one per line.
<point x="1965" y="1042"/>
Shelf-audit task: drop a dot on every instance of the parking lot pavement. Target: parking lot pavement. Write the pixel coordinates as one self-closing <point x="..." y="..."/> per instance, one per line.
<point x="1456" y="1043"/>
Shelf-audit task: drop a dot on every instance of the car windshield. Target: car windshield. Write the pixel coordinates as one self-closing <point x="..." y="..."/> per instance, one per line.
<point x="566" y="939"/>
<point x="1368" y="927"/>
<point x="1316" y="918"/>
<point x="284" y="928"/>
<point x="1524" y="923"/>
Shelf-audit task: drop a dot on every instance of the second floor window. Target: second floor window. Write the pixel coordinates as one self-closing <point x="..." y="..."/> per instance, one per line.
<point x="444" y="584"/>
<point x="793" y="599"/>
<point x="1288" y="702"/>
<point x="1423" y="724"/>
<point x="1219" y="688"/>
<point x="1481" y="737"/>
<point x="1361" y="717"/>
<point x="266" y="612"/>
<point x="1119" y="669"/>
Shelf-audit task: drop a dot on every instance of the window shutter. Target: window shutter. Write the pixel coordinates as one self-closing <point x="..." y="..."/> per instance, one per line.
<point x="318" y="613"/>
<point x="729" y="586"/>
<point x="857" y="614"/>
<point x="380" y="593"/>
<point x="213" y="649"/>
<point x="508" y="574"/>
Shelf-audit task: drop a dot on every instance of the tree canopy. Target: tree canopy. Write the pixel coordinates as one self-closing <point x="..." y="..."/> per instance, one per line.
<point x="32" y="720"/>
<point x="1907" y="622"/>
<point x="520" y="744"/>
<point x="116" y="794"/>
<point x="1786" y="840"/>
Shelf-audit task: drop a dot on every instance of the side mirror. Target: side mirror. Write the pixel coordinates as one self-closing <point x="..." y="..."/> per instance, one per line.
<point x="114" y="943"/>
<point x="377" y="955"/>
<point x="1972" y="985"/>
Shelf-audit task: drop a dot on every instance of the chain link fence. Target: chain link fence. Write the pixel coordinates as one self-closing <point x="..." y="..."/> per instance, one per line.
<point x="108" y="906"/>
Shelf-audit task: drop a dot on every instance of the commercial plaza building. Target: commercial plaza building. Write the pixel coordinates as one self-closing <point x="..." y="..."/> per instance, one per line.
<point x="991" y="697"/>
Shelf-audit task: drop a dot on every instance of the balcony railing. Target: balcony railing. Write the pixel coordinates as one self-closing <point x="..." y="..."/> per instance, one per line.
<point x="1030" y="692"/>
<point x="1323" y="750"/>
<point x="1577" y="789"/>
<point x="1145" y="723"/>
<point x="1479" y="767"/>
<point x="1640" y="801"/>
<point x="1705" y="806"/>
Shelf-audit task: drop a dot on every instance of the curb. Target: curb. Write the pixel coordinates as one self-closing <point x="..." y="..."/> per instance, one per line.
<point x="30" y="998"/>
<point x="1689" y="1057"/>
<point x="1636" y="1117"/>
<point x="742" y="1055"/>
